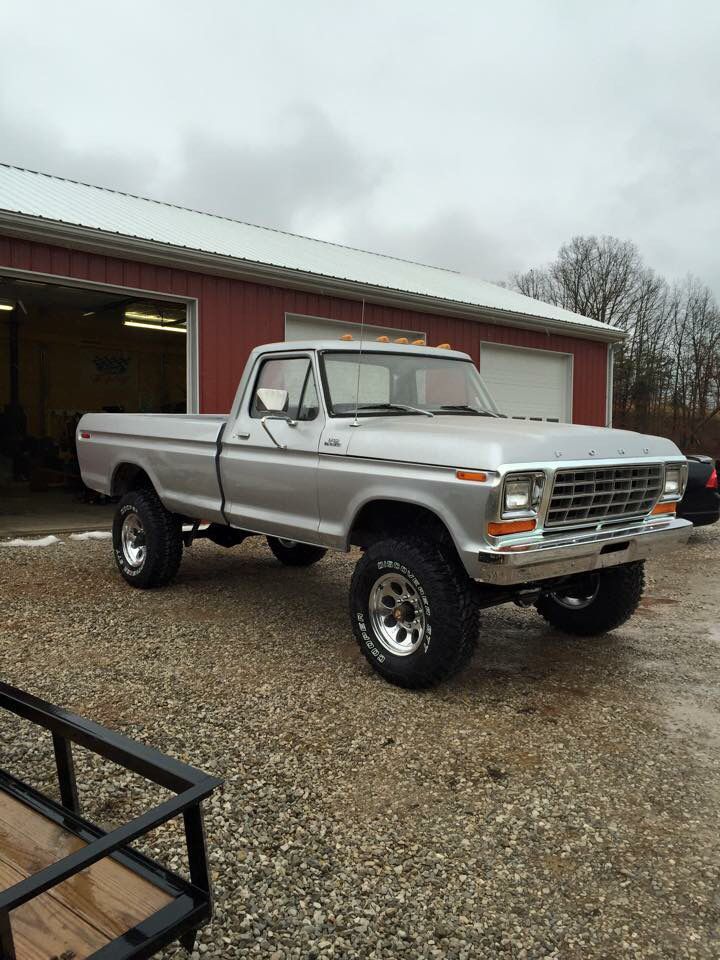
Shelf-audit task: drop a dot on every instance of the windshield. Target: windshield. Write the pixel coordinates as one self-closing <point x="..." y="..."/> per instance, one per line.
<point x="404" y="385"/>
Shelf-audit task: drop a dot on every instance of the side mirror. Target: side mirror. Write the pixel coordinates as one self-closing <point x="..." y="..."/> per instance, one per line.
<point x="273" y="405"/>
<point x="270" y="400"/>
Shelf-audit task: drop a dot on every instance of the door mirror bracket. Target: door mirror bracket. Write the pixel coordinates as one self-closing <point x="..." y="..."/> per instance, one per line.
<point x="277" y="416"/>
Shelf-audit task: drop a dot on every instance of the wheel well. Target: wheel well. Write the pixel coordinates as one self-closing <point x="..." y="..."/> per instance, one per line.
<point x="129" y="476"/>
<point x="391" y="518"/>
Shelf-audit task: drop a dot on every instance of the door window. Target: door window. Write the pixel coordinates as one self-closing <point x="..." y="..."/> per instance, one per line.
<point x="295" y="375"/>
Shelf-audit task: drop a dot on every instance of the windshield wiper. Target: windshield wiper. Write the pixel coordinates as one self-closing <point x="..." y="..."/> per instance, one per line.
<point x="405" y="407"/>
<point x="466" y="408"/>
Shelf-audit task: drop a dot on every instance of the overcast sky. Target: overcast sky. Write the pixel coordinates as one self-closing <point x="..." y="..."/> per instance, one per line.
<point x="476" y="135"/>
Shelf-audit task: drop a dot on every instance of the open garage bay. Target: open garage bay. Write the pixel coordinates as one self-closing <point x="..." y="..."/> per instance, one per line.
<point x="66" y="350"/>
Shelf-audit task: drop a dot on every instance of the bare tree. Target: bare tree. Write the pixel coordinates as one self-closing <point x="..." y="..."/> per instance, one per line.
<point x="667" y="371"/>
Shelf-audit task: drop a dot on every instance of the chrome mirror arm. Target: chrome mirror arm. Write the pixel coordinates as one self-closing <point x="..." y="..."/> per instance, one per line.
<point x="277" y="416"/>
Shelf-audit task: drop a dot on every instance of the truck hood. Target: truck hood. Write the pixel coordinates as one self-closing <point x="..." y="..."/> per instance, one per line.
<point x="488" y="443"/>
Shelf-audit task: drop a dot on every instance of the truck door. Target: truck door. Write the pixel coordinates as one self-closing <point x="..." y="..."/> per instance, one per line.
<point x="269" y="472"/>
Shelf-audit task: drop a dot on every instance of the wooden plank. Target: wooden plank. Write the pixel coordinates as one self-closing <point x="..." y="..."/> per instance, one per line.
<point x="107" y="895"/>
<point x="45" y="928"/>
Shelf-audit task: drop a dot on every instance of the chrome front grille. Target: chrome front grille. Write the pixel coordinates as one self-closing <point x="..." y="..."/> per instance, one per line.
<point x="591" y="495"/>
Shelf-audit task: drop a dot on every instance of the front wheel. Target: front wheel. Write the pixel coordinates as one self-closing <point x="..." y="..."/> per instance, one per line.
<point x="147" y="540"/>
<point x="596" y="603"/>
<point x="412" y="612"/>
<point x="294" y="554"/>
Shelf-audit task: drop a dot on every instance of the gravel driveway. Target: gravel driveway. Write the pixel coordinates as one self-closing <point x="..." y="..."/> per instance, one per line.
<point x="560" y="798"/>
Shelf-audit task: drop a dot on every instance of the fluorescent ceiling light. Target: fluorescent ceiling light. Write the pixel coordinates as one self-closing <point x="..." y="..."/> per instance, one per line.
<point x="166" y="328"/>
<point x="7" y="304"/>
<point x="139" y="315"/>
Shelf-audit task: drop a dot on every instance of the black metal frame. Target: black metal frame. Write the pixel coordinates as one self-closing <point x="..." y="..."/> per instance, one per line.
<point x="191" y="905"/>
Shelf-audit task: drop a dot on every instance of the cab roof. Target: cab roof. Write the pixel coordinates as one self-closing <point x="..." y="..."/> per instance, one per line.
<point x="370" y="345"/>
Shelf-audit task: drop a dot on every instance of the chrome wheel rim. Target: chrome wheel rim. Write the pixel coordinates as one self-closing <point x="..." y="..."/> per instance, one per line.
<point x="580" y="599"/>
<point x="397" y="614"/>
<point x="132" y="539"/>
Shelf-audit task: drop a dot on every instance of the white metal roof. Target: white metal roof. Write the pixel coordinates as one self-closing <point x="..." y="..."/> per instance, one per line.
<point x="26" y="195"/>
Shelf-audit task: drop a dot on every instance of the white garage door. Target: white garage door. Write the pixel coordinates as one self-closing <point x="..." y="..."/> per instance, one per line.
<point x="532" y="384"/>
<point x="298" y="327"/>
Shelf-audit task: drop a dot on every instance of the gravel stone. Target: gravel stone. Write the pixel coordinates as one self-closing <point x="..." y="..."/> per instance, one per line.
<point x="559" y="798"/>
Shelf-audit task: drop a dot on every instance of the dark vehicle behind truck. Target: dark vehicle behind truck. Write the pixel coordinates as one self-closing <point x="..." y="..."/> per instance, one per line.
<point x="701" y="502"/>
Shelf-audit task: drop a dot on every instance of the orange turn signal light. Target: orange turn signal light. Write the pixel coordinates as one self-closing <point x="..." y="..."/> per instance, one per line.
<point x="502" y="527"/>
<point x="476" y="475"/>
<point x="660" y="508"/>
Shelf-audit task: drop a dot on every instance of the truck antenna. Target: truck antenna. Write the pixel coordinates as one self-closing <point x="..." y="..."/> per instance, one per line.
<point x="356" y="422"/>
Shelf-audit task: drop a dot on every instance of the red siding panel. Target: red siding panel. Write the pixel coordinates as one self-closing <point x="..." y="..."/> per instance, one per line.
<point x="236" y="315"/>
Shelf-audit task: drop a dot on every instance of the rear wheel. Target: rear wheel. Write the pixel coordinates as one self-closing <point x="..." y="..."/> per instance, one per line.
<point x="596" y="603"/>
<point x="294" y="554"/>
<point x="147" y="540"/>
<point x="412" y="612"/>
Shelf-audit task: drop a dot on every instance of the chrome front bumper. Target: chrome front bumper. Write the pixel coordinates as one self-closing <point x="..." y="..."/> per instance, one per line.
<point x="559" y="555"/>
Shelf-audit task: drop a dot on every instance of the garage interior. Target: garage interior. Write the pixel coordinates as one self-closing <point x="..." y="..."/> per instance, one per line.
<point x="65" y="351"/>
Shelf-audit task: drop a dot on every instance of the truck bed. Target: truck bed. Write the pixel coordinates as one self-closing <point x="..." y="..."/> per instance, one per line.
<point x="177" y="451"/>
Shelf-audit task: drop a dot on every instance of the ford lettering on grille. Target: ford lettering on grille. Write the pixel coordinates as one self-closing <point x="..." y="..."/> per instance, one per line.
<point x="594" y="494"/>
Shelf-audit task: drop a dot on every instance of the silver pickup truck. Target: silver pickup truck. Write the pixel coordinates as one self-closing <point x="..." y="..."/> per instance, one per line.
<point x="397" y="449"/>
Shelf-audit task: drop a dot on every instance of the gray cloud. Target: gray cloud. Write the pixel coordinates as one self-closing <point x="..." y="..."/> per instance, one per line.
<point x="308" y="171"/>
<point x="476" y="137"/>
<point x="450" y="239"/>
<point x="305" y="170"/>
<point x="42" y="146"/>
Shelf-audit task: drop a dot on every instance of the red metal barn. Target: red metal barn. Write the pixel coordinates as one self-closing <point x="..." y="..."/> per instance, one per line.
<point x="92" y="282"/>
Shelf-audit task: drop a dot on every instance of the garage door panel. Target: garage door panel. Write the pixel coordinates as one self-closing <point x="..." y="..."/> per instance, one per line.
<point x="528" y="383"/>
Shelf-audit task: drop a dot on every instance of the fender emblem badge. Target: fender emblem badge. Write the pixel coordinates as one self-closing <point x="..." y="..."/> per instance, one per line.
<point x="332" y="442"/>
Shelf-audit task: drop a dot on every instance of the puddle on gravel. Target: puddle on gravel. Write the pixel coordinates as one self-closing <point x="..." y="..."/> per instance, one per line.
<point x="693" y="721"/>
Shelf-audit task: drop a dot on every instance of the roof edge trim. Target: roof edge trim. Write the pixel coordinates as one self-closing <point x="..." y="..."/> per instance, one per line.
<point x="92" y="240"/>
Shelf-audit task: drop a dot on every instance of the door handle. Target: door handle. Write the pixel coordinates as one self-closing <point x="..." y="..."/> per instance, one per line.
<point x="242" y="436"/>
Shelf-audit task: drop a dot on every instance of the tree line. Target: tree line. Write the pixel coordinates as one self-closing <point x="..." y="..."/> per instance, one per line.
<point x="667" y="370"/>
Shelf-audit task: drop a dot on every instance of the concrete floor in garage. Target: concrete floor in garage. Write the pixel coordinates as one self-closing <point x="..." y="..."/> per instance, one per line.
<point x="23" y="513"/>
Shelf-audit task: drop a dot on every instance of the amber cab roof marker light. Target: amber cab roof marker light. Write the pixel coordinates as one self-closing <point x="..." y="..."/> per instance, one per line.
<point x="346" y="336"/>
<point x="477" y="475"/>
<point x="661" y="508"/>
<point x="502" y="527"/>
<point x="418" y="343"/>
<point x="401" y="340"/>
<point x="443" y="346"/>
<point x="383" y="339"/>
